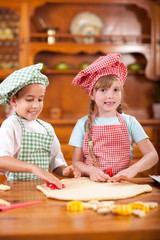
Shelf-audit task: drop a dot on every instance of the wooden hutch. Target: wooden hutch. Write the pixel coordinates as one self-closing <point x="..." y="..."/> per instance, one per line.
<point x="130" y="27"/>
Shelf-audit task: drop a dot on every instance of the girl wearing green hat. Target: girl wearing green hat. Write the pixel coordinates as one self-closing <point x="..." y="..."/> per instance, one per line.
<point x="29" y="146"/>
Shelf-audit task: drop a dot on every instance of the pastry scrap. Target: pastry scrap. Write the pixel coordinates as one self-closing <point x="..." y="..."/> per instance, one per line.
<point x="139" y="213"/>
<point x="96" y="205"/>
<point x="4" y="187"/>
<point x="4" y="203"/>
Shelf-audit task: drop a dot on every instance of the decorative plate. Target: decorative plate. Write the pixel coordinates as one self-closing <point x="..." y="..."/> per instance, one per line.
<point x="86" y="23"/>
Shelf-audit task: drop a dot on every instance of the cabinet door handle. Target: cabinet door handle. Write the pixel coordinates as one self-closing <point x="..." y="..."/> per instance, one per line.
<point x="65" y="153"/>
<point x="65" y="136"/>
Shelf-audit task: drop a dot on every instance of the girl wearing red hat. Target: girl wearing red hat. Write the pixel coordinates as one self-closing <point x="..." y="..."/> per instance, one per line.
<point x="102" y="141"/>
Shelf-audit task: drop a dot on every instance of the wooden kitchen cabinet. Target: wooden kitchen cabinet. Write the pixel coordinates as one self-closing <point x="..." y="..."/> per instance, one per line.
<point x="152" y="129"/>
<point x="63" y="132"/>
<point x="9" y="41"/>
<point x="156" y="26"/>
<point x="131" y="28"/>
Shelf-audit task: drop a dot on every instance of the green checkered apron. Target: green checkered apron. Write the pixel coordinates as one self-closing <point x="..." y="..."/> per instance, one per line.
<point x="36" y="149"/>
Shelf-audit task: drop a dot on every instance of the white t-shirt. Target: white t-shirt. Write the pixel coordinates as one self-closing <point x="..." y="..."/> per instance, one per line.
<point x="11" y="138"/>
<point x="136" y="132"/>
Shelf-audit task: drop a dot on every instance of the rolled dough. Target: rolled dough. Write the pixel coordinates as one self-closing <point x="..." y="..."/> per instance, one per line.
<point x="84" y="189"/>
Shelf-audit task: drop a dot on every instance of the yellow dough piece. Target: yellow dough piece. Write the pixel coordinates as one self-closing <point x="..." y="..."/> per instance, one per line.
<point x="123" y="209"/>
<point x="75" y="206"/>
<point x="141" y="206"/>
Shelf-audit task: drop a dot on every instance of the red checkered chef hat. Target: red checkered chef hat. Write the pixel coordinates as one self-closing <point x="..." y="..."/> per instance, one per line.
<point x="103" y="66"/>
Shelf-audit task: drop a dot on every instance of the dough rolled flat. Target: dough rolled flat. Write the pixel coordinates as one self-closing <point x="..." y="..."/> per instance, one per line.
<point x="83" y="189"/>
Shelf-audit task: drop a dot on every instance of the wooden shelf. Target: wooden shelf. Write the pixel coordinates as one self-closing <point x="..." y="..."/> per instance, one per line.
<point x="63" y="37"/>
<point x="6" y="72"/>
<point x="76" y="71"/>
<point x="74" y="48"/>
<point x="10" y="41"/>
<point x="54" y="71"/>
<point x="139" y="72"/>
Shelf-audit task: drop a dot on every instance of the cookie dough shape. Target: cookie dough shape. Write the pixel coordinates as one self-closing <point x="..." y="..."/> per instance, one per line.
<point x="83" y="189"/>
<point x="4" y="187"/>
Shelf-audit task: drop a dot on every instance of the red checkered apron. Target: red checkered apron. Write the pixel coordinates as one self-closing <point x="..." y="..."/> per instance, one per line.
<point x="111" y="146"/>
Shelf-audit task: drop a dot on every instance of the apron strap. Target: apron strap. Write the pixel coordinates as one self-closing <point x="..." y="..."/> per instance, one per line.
<point x="47" y="129"/>
<point x="20" y="121"/>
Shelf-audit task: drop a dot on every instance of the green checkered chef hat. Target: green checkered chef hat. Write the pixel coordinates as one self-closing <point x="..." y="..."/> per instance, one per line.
<point x="19" y="79"/>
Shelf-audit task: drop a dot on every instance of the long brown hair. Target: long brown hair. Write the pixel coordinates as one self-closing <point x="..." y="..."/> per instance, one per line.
<point x="103" y="82"/>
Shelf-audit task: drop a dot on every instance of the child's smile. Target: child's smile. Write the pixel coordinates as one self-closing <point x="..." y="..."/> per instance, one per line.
<point x="109" y="103"/>
<point x="33" y="113"/>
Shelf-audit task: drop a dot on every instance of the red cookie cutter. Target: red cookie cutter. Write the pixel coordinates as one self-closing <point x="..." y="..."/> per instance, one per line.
<point x="109" y="172"/>
<point x="53" y="186"/>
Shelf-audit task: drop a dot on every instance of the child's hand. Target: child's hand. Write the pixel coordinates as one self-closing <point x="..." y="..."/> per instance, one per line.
<point x="46" y="176"/>
<point x="71" y="171"/>
<point x="97" y="175"/>
<point x="124" y="175"/>
<point x="119" y="177"/>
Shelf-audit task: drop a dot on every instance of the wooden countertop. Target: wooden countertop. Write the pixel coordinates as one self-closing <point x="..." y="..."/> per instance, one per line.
<point x="50" y="220"/>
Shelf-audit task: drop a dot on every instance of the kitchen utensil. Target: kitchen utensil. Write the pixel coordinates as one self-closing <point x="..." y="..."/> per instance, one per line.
<point x="5" y="208"/>
<point x="53" y="186"/>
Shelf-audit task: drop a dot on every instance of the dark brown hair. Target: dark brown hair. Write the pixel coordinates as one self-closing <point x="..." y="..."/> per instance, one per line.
<point x="103" y="82"/>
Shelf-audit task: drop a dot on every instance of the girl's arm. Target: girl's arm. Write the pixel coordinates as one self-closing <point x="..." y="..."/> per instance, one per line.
<point x="150" y="156"/>
<point x="149" y="159"/>
<point x="8" y="163"/>
<point x="94" y="173"/>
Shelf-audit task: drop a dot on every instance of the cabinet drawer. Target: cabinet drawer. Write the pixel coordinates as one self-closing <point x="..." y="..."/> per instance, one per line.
<point x="67" y="151"/>
<point x="63" y="133"/>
